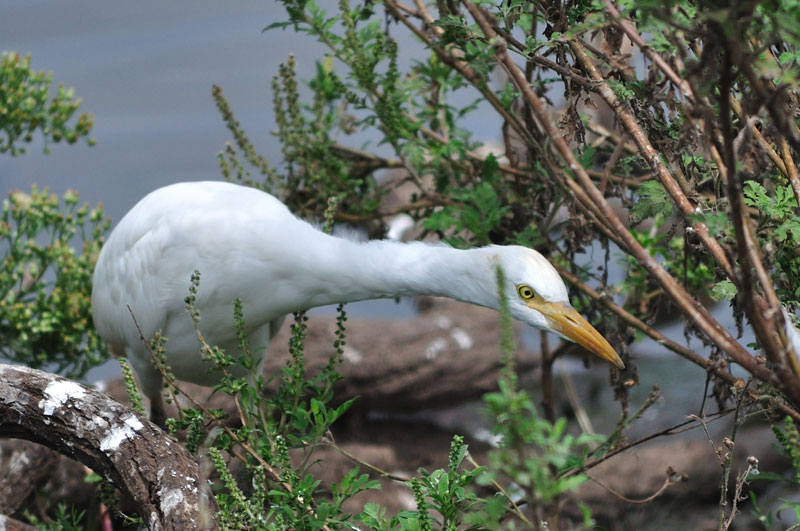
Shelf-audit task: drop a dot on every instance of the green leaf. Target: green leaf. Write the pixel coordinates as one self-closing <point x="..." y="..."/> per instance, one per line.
<point x="771" y="476"/>
<point x="277" y="25"/>
<point x="755" y="195"/>
<point x="653" y="202"/>
<point x="723" y="290"/>
<point x="789" y="230"/>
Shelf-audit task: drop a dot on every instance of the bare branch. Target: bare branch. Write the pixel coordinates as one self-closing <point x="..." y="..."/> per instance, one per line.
<point x="690" y="307"/>
<point x="671" y="478"/>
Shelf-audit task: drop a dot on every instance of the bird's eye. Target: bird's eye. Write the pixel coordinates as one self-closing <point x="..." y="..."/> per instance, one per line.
<point x="526" y="292"/>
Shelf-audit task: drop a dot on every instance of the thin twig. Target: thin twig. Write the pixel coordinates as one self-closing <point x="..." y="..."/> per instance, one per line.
<point x="690" y="307"/>
<point x="458" y="63"/>
<point x="763" y="312"/>
<point x="791" y="168"/>
<point x="707" y="364"/>
<point x="741" y="481"/>
<point x="671" y="479"/>
<point x="630" y="123"/>
<point x="762" y="142"/>
<point x="517" y="511"/>
<point x="580" y="412"/>
<point x="672" y="430"/>
<point x="383" y="473"/>
<point x="651" y="54"/>
<point x="728" y="463"/>
<point x="548" y="398"/>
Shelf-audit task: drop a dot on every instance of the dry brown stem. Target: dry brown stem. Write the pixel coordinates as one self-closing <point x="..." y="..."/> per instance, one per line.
<point x="690" y="307"/>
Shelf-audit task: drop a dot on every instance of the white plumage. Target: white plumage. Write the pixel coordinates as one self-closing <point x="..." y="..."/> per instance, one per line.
<point x="247" y="244"/>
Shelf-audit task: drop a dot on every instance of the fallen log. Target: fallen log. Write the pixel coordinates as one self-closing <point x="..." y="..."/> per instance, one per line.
<point x="447" y="355"/>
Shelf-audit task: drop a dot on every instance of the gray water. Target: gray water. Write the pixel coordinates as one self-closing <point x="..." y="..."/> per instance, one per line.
<point x="145" y="70"/>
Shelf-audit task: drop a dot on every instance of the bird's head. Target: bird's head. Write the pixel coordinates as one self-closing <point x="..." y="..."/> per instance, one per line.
<point x="537" y="295"/>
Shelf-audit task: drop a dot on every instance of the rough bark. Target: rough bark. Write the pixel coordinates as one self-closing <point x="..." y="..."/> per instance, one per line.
<point x="10" y="524"/>
<point x="447" y="355"/>
<point x="24" y="468"/>
<point x="158" y="474"/>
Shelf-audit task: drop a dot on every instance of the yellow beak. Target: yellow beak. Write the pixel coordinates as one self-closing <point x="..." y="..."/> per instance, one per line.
<point x="563" y="319"/>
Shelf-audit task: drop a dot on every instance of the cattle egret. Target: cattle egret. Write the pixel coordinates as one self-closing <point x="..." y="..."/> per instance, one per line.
<point x="248" y="245"/>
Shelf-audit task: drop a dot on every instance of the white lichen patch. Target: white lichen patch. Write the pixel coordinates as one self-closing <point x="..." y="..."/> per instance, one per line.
<point x="170" y="499"/>
<point x="462" y="338"/>
<point x="96" y="424"/>
<point x="434" y="348"/>
<point x="352" y="355"/>
<point x="443" y="322"/>
<point x="120" y="433"/>
<point x="58" y="393"/>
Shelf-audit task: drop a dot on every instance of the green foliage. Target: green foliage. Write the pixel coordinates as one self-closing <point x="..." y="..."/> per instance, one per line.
<point x="778" y="207"/>
<point x="236" y="511"/>
<point x="535" y="454"/>
<point x="652" y="202"/>
<point x="779" y="230"/>
<point x="624" y="93"/>
<point x="789" y="441"/>
<point x="274" y="491"/>
<point x="130" y="387"/>
<point x="418" y="111"/>
<point x="723" y="290"/>
<point x="25" y="109"/>
<point x="479" y="211"/>
<point x="695" y="272"/>
<point x="466" y="198"/>
<point x="65" y="519"/>
<point x="447" y="492"/>
<point x="359" y="87"/>
<point x="297" y="418"/>
<point x="777" y="211"/>
<point x="45" y="283"/>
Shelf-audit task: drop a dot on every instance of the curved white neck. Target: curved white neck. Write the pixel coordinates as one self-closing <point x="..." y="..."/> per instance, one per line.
<point x="350" y="271"/>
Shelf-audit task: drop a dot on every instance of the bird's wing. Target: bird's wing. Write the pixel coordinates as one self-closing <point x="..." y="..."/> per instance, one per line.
<point x="232" y="235"/>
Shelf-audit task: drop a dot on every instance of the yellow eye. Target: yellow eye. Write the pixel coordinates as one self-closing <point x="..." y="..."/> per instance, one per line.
<point x="526" y="292"/>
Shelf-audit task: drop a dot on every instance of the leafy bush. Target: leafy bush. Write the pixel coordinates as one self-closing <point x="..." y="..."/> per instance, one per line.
<point x="46" y="284"/>
<point x="26" y="107"/>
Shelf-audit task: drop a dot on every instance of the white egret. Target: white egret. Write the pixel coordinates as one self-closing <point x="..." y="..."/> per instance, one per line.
<point x="247" y="244"/>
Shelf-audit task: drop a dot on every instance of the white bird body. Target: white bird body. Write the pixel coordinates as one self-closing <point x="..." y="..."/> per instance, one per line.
<point x="247" y="244"/>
